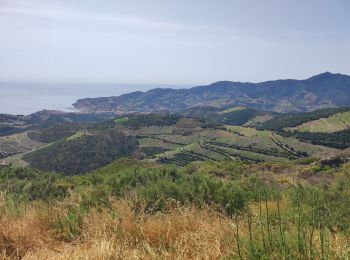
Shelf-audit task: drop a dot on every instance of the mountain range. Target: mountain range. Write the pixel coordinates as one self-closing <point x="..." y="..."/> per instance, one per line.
<point x="290" y="95"/>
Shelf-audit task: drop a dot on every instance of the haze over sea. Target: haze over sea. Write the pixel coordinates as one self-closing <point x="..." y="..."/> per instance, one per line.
<point x="27" y="98"/>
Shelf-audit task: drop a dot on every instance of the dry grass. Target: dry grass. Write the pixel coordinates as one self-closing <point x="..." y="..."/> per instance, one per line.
<point x="120" y="232"/>
<point x="23" y="233"/>
<point x="181" y="233"/>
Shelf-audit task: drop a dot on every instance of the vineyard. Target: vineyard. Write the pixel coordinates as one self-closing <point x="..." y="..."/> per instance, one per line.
<point x="17" y="143"/>
<point x="232" y="143"/>
<point x="182" y="158"/>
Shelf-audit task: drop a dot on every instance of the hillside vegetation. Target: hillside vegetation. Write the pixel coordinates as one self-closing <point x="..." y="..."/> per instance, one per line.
<point x="289" y="120"/>
<point x="337" y="140"/>
<point x="73" y="148"/>
<point x="81" y="153"/>
<point x="327" y="127"/>
<point x="133" y="209"/>
<point x="237" y="115"/>
<point x="17" y="143"/>
<point x="335" y="123"/>
<point x="193" y="140"/>
<point x="10" y="124"/>
<point x="320" y="91"/>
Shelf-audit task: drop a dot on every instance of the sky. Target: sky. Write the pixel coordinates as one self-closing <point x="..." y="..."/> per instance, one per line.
<point x="188" y="42"/>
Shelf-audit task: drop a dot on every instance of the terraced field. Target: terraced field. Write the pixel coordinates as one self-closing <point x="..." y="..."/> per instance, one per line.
<point x="186" y="141"/>
<point x="151" y="142"/>
<point x="181" y="145"/>
<point x="258" y="120"/>
<point x="17" y="143"/>
<point x="334" y="123"/>
<point x="13" y="147"/>
<point x="232" y="109"/>
<point x="182" y="158"/>
<point x="200" y="148"/>
<point x="150" y="131"/>
<point x="245" y="155"/>
<point x="269" y="141"/>
<point x="14" y="160"/>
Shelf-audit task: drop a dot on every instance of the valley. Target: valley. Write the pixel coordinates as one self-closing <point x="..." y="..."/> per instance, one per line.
<point x="161" y="138"/>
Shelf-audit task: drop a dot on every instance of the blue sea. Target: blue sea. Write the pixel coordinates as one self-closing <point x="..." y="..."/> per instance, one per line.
<point x="27" y="98"/>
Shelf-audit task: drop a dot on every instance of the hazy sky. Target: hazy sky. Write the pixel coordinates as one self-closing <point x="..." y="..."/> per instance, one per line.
<point x="172" y="42"/>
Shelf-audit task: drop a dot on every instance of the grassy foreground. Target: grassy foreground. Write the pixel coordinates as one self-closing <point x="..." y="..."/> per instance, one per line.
<point x="133" y="210"/>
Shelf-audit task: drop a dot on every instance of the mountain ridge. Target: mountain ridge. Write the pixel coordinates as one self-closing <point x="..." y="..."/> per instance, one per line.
<point x="288" y="95"/>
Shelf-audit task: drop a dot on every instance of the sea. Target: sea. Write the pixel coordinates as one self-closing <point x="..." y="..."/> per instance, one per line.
<point x="27" y="98"/>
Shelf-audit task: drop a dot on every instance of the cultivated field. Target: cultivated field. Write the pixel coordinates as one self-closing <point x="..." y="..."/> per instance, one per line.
<point x="183" y="143"/>
<point x="335" y="123"/>
<point x="16" y="144"/>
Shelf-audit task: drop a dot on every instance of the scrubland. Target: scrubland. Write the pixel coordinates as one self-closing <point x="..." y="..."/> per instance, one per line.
<point x="133" y="210"/>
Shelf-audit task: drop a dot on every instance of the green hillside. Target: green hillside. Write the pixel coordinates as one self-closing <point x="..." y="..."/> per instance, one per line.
<point x="288" y="120"/>
<point x="161" y="138"/>
<point x="220" y="210"/>
<point x="336" y="122"/>
<point x="81" y="153"/>
<point x="327" y="127"/>
<point x="192" y="140"/>
<point x="236" y="115"/>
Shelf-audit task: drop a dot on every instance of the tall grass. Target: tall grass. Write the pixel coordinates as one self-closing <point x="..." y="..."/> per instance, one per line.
<point x="159" y="213"/>
<point x="61" y="230"/>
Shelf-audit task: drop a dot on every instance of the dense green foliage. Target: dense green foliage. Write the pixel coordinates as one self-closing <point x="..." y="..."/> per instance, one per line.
<point x="229" y="186"/>
<point x="54" y="132"/>
<point x="154" y="185"/>
<point x="339" y="140"/>
<point x="46" y="117"/>
<point x="239" y="116"/>
<point x="25" y="184"/>
<point x="139" y="120"/>
<point x="82" y="154"/>
<point x="202" y="112"/>
<point x="150" y="151"/>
